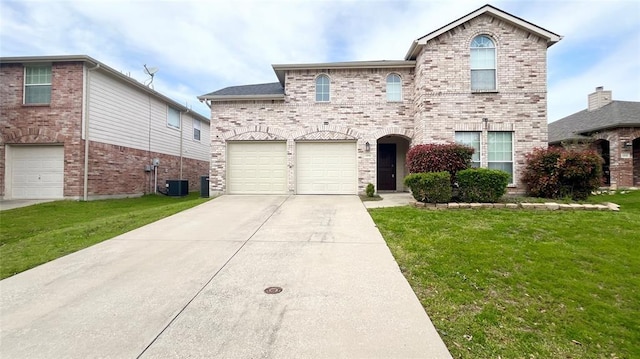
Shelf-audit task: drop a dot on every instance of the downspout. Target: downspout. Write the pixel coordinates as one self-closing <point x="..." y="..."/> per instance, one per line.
<point x="85" y="119"/>
<point x="181" y="140"/>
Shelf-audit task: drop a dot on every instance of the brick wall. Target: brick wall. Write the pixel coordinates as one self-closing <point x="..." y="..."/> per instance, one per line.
<point x="437" y="102"/>
<point x="358" y="110"/>
<point x="444" y="102"/>
<point x="117" y="170"/>
<point x="58" y="122"/>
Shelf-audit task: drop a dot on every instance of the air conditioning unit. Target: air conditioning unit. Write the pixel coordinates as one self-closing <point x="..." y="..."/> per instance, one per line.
<point x="177" y="188"/>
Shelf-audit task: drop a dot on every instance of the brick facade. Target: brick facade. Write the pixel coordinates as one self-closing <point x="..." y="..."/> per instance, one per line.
<point x="56" y="123"/>
<point x="113" y="171"/>
<point x="436" y="102"/>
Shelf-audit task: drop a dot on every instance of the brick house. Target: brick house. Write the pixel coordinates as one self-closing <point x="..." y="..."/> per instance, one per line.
<point x="610" y="127"/>
<point x="72" y="127"/>
<point x="332" y="128"/>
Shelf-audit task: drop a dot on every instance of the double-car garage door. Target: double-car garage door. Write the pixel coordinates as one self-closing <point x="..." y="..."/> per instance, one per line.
<point x="320" y="168"/>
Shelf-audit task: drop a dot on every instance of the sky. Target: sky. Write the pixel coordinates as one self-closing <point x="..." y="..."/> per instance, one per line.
<point x="203" y="46"/>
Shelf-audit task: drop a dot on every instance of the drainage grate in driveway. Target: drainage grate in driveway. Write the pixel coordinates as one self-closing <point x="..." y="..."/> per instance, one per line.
<point x="273" y="290"/>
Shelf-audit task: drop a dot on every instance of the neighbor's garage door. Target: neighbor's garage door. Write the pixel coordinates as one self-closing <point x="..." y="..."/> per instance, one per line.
<point x="37" y="172"/>
<point x="257" y="167"/>
<point x="326" y="168"/>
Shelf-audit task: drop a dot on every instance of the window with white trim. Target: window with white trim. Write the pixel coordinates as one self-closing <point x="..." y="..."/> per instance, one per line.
<point x="196" y="129"/>
<point x="483" y="64"/>
<point x="501" y="152"/>
<point x="173" y="117"/>
<point x="471" y="139"/>
<point x="322" y="88"/>
<point x="394" y="87"/>
<point x="37" y="84"/>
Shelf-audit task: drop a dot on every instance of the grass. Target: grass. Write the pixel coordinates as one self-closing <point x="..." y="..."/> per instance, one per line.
<point x="525" y="284"/>
<point x="33" y="235"/>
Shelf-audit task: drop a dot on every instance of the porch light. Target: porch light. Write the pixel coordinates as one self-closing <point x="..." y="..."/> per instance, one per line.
<point x="367" y="147"/>
<point x="627" y="145"/>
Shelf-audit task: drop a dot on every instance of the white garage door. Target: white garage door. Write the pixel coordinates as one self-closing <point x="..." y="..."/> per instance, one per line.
<point x="257" y="167"/>
<point x="326" y="168"/>
<point x="37" y="172"/>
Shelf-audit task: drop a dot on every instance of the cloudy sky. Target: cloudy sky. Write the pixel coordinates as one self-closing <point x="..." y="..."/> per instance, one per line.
<point x="203" y="46"/>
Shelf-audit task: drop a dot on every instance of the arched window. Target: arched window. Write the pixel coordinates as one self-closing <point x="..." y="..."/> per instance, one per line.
<point x="322" y="88"/>
<point x="394" y="87"/>
<point x="483" y="64"/>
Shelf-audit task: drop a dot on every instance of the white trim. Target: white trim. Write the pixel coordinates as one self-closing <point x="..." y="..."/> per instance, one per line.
<point x="315" y="86"/>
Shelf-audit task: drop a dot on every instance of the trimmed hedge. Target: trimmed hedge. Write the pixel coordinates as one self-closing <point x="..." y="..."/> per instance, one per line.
<point x="370" y="191"/>
<point x="559" y="173"/>
<point x="439" y="157"/>
<point x="482" y="185"/>
<point x="431" y="187"/>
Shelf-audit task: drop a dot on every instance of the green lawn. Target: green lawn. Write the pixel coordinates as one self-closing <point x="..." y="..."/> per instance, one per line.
<point x="525" y="284"/>
<point x="33" y="235"/>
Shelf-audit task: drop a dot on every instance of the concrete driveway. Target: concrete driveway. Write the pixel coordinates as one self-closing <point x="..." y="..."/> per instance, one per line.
<point x="192" y="286"/>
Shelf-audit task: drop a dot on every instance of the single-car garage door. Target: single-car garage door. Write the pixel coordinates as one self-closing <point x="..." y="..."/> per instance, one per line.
<point x="326" y="168"/>
<point x="37" y="172"/>
<point x="257" y="167"/>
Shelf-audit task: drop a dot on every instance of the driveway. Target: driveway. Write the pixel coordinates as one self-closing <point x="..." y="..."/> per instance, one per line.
<point x="192" y="285"/>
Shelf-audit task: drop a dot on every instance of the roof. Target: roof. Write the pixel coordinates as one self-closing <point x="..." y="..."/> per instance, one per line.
<point x="272" y="90"/>
<point x="417" y="44"/>
<point x="100" y="66"/>
<point x="585" y="122"/>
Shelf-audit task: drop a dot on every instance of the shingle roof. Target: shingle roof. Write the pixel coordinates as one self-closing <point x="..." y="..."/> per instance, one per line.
<point x="576" y="126"/>
<point x="272" y="88"/>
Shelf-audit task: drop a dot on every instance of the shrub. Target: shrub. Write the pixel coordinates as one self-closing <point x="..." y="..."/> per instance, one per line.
<point x="370" y="190"/>
<point x="482" y="185"/>
<point x="559" y="173"/>
<point x="432" y="187"/>
<point x="439" y="157"/>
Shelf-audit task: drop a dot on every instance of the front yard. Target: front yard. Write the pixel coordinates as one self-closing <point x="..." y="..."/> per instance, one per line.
<point x="525" y="284"/>
<point x="33" y="235"/>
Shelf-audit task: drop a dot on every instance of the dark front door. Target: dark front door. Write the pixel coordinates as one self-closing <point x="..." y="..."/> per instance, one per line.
<point x="386" y="167"/>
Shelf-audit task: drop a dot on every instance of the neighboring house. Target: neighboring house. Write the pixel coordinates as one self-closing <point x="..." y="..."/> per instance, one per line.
<point x="72" y="127"/>
<point x="610" y="127"/>
<point x="332" y="128"/>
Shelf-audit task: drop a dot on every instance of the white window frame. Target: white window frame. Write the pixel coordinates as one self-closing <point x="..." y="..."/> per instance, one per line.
<point x="170" y="123"/>
<point x="36" y="85"/>
<point x="462" y="137"/>
<point x="394" y="88"/>
<point x="197" y="133"/>
<point x="512" y="154"/>
<point x="475" y="51"/>
<point x="327" y="85"/>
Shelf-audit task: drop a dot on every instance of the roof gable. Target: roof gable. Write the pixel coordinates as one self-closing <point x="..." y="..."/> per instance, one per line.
<point x="417" y="44"/>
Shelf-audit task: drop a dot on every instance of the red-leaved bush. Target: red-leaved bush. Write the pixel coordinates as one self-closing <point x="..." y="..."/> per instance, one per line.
<point x="558" y="173"/>
<point x="439" y="157"/>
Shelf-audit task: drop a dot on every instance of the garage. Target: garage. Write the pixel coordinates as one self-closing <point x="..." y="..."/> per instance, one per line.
<point x="326" y="168"/>
<point x="257" y="167"/>
<point x="36" y="172"/>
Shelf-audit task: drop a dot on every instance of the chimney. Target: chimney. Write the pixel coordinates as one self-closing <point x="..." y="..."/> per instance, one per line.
<point x="599" y="98"/>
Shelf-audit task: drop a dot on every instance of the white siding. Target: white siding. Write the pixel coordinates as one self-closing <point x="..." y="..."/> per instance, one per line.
<point x="123" y="115"/>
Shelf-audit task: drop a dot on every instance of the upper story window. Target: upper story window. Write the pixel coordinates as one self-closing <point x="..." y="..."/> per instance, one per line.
<point x="322" y="88"/>
<point x="196" y="129"/>
<point x="483" y="64"/>
<point x="37" y="84"/>
<point x="394" y="88"/>
<point x="173" y="117"/>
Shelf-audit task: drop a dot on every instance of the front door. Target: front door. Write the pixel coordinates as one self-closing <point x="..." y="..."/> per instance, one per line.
<point x="386" y="167"/>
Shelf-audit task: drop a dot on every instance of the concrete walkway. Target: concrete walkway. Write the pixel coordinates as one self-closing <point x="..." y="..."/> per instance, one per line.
<point x="192" y="285"/>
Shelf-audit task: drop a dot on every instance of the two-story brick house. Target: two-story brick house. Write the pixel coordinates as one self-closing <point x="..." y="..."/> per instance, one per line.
<point x="72" y="127"/>
<point x="332" y="128"/>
